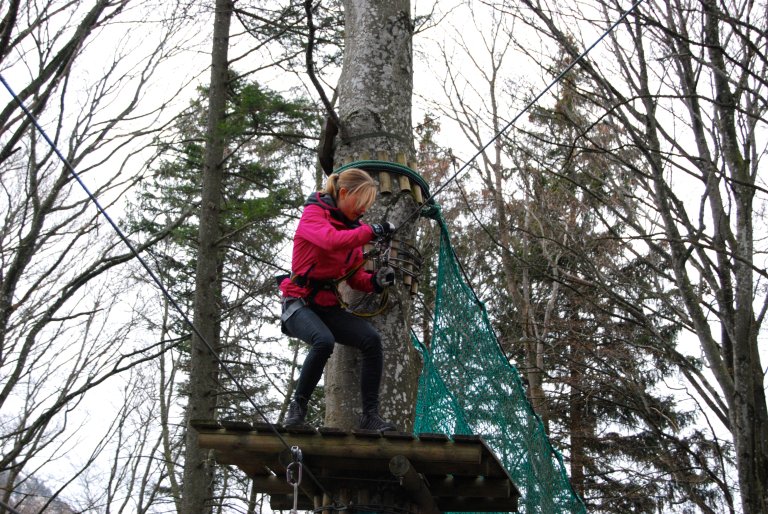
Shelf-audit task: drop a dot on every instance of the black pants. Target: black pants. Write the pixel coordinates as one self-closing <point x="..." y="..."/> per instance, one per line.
<point x="322" y="327"/>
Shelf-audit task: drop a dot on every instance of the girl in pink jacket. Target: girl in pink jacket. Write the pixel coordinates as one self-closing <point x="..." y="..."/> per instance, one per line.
<point x="327" y="246"/>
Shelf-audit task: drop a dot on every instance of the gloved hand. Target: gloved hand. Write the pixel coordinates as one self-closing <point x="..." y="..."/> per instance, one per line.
<point x="382" y="229"/>
<point x="384" y="277"/>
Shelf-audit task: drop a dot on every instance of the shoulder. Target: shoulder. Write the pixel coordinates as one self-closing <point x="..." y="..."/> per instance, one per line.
<point x="315" y="211"/>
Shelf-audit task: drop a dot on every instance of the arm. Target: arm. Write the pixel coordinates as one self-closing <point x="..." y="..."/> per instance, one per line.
<point x="315" y="226"/>
<point x="362" y="280"/>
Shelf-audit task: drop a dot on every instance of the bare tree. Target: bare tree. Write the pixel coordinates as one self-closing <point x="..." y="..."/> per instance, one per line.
<point x="684" y="83"/>
<point x="61" y="281"/>
<point x="549" y="258"/>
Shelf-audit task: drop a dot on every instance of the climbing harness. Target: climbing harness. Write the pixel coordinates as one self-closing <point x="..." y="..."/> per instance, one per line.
<point x="368" y="305"/>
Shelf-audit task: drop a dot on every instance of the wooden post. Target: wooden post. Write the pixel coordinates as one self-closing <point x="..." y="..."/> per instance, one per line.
<point x="385" y="182"/>
<point x="326" y="504"/>
<point x="413" y="482"/>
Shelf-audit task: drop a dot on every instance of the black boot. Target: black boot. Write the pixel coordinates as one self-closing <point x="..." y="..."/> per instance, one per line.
<point x="296" y="414"/>
<point x="372" y="421"/>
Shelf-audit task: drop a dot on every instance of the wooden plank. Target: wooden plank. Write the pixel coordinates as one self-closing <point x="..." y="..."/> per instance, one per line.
<point x="204" y="424"/>
<point x="467" y="438"/>
<point x="327" y="503"/>
<point x="331" y="432"/>
<point x="236" y="426"/>
<point x="405" y="183"/>
<point x="348" y="446"/>
<point x="368" y="434"/>
<point x="301" y="429"/>
<point x="417" y="194"/>
<point x="268" y="428"/>
<point x="430" y="436"/>
<point x="393" y="248"/>
<point x="405" y="436"/>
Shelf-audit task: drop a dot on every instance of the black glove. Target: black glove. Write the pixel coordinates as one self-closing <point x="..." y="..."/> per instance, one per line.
<point x="384" y="277"/>
<point x="382" y="229"/>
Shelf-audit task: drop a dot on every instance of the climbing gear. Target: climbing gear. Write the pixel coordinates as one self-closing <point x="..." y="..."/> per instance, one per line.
<point x="296" y="414"/>
<point x="316" y="285"/>
<point x="373" y="421"/>
<point x="366" y="306"/>
<point x="382" y="229"/>
<point x="384" y="277"/>
<point x="293" y="475"/>
<point x="290" y="306"/>
<point x="369" y="305"/>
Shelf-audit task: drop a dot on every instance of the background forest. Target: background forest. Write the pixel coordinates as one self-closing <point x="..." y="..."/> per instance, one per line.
<point x="614" y="231"/>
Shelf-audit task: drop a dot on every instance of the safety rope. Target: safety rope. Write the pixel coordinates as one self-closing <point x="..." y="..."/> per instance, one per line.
<point x="383" y="247"/>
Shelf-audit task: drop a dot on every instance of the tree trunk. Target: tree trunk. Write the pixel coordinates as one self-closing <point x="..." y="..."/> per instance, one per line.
<point x="749" y="415"/>
<point x="203" y="372"/>
<point x="710" y="249"/>
<point x="375" y="113"/>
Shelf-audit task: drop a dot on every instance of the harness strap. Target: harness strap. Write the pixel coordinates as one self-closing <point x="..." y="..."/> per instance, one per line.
<point x="330" y="284"/>
<point x="290" y="306"/>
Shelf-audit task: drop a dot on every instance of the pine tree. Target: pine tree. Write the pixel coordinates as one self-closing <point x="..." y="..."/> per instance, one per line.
<point x="264" y="134"/>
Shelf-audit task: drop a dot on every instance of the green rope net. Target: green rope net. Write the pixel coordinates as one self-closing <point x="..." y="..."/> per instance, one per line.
<point x="468" y="386"/>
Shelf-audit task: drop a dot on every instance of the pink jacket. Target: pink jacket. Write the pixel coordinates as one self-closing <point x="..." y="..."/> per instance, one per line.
<point x="326" y="246"/>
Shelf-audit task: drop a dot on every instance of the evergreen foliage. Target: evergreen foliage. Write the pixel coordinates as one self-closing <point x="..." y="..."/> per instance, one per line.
<point x="264" y="139"/>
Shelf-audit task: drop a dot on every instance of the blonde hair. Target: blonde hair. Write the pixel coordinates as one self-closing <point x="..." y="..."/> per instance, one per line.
<point x="357" y="182"/>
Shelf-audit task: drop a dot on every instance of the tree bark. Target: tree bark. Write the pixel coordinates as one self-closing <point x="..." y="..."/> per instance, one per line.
<point x="204" y="369"/>
<point x="375" y="91"/>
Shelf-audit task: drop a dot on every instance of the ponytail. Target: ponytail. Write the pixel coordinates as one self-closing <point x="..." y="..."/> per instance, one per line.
<point x="357" y="182"/>
<point x="330" y="185"/>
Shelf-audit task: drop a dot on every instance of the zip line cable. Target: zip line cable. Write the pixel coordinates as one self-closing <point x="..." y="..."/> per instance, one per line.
<point x="530" y="104"/>
<point x="149" y="271"/>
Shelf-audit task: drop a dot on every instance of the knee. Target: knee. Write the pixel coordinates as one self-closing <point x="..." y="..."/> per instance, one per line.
<point x="323" y="346"/>
<point x="371" y="344"/>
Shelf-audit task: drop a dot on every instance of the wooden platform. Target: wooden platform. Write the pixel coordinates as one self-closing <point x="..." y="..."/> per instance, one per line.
<point x="434" y="472"/>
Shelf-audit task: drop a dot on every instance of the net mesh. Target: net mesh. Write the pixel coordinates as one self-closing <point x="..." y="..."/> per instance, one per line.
<point x="468" y="386"/>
